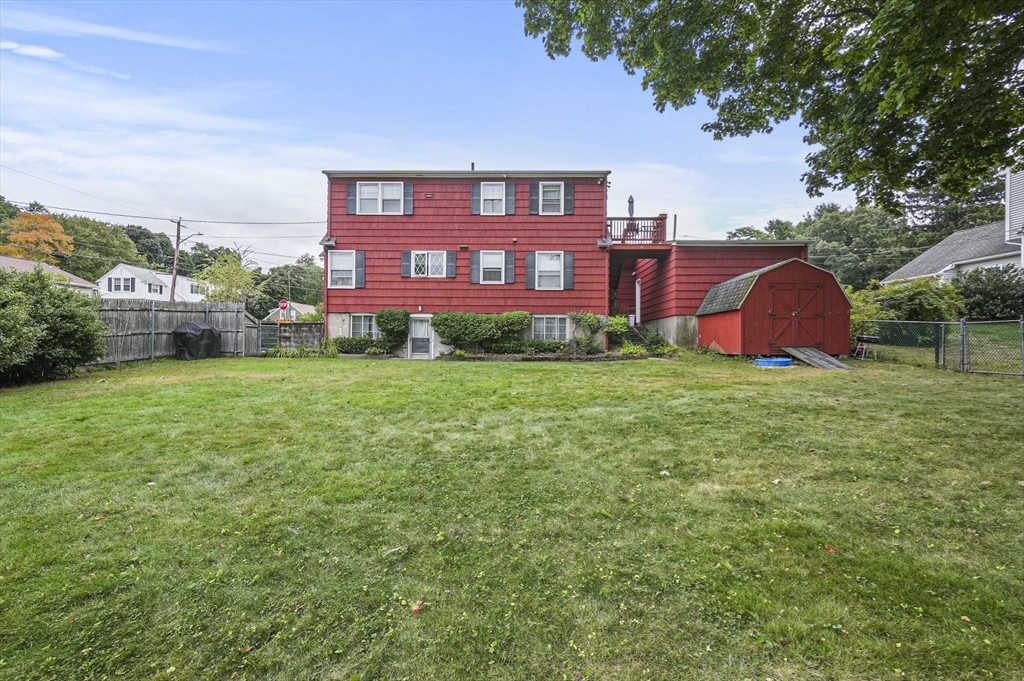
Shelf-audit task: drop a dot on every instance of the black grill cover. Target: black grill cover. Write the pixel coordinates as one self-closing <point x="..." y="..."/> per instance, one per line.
<point x="196" y="340"/>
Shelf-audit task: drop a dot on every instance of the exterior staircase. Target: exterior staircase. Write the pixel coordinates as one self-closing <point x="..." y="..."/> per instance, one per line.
<point x="636" y="337"/>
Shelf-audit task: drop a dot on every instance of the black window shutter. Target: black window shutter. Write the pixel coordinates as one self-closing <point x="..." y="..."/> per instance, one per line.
<point x="406" y="263"/>
<point x="567" y="270"/>
<point x="510" y="198"/>
<point x="569" y="205"/>
<point x="110" y="284"/>
<point x="510" y="267"/>
<point x="350" y="199"/>
<point x="133" y="284"/>
<point x="449" y="258"/>
<point x="474" y="267"/>
<point x="535" y="198"/>
<point x="474" y="198"/>
<point x="407" y="203"/>
<point x="531" y="270"/>
<point x="360" y="269"/>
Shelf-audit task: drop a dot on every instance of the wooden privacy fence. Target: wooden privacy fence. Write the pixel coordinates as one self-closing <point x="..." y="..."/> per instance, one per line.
<point x="144" y="329"/>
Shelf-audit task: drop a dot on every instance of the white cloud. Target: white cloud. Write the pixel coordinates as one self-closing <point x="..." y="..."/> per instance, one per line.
<point x="33" y="22"/>
<point x="37" y="51"/>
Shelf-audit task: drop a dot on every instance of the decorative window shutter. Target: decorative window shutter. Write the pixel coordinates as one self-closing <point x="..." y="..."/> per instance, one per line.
<point x="510" y="267"/>
<point x="350" y="199"/>
<point x="449" y="262"/>
<point x="568" y="268"/>
<point x="360" y="269"/>
<point x="406" y="263"/>
<point x="133" y="284"/>
<point x="569" y="204"/>
<point x="535" y="198"/>
<point x="531" y="269"/>
<point x="407" y="203"/>
<point x="110" y="284"/>
<point x="474" y="267"/>
<point x="474" y="198"/>
<point x="510" y="198"/>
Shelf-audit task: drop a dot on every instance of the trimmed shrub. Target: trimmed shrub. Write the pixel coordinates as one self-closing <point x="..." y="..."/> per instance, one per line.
<point x="393" y="325"/>
<point x="48" y="329"/>
<point x="463" y="330"/>
<point x="509" y="347"/>
<point x="617" y="326"/>
<point x="540" y="346"/>
<point x="353" y="346"/>
<point x="992" y="292"/>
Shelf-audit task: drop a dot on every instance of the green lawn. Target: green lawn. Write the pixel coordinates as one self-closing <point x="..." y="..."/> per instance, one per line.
<point x="687" y="519"/>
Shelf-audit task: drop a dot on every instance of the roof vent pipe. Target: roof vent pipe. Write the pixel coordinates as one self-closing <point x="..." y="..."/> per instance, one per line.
<point x="472" y="166"/>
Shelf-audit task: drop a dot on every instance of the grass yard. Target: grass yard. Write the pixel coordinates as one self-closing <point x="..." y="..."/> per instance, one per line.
<point x="687" y="519"/>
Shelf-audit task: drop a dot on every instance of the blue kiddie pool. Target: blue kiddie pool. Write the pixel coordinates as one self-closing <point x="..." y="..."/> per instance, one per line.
<point x="774" y="362"/>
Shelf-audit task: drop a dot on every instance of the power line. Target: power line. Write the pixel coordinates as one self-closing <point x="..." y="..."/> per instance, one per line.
<point x="154" y="217"/>
<point x="43" y="179"/>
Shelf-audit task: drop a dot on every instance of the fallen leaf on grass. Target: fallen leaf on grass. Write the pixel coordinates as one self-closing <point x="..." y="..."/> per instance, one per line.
<point x="831" y="549"/>
<point x="419" y="606"/>
<point x="293" y="530"/>
<point x="419" y="497"/>
<point x="394" y="550"/>
<point x="776" y="481"/>
<point x="965" y="618"/>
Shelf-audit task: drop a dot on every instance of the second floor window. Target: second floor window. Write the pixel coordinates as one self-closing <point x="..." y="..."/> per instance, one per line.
<point x="492" y="196"/>
<point x="342" y="269"/>
<point x="384" y="198"/>
<point x="428" y="263"/>
<point x="551" y="198"/>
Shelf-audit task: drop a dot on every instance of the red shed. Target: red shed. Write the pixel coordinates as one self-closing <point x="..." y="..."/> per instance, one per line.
<point x="788" y="304"/>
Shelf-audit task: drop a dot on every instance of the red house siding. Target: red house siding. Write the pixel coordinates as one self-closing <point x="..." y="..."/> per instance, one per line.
<point x="676" y="285"/>
<point x="443" y="223"/>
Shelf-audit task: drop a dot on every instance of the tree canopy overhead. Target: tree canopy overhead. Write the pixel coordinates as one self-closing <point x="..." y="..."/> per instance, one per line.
<point x="895" y="95"/>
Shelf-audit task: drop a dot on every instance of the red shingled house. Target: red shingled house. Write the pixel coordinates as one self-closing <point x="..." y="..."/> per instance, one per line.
<point x="485" y="241"/>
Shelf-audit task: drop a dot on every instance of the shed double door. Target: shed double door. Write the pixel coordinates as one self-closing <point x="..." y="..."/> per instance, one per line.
<point x="797" y="315"/>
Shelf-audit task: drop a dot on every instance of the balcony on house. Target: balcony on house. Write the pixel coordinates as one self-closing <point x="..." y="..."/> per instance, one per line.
<point x="636" y="230"/>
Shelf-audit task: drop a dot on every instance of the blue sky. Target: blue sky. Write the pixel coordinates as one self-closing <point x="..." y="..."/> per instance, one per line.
<point x="229" y="111"/>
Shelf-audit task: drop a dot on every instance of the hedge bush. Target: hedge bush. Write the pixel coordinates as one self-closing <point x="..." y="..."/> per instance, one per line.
<point x="463" y="330"/>
<point x="47" y="330"/>
<point x="393" y="325"/>
<point x="992" y="292"/>
<point x="353" y="346"/>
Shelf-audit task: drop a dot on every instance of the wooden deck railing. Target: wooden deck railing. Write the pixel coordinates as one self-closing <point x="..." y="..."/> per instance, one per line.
<point x="636" y="230"/>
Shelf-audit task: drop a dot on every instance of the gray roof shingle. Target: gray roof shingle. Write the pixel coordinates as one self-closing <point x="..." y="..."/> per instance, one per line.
<point x="967" y="244"/>
<point x="729" y="294"/>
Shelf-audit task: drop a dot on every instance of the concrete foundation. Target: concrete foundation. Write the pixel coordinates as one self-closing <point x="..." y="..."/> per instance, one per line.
<point x="680" y="330"/>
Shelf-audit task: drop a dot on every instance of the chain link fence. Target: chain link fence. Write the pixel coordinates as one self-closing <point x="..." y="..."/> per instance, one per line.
<point x="966" y="347"/>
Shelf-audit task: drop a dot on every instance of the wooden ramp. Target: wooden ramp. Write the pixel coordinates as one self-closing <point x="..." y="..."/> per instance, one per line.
<point x="816" y="358"/>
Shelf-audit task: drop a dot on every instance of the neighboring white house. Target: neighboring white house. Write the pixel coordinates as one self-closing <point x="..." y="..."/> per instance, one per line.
<point x="133" y="282"/>
<point x="62" y="277"/>
<point x="1015" y="210"/>
<point x="961" y="251"/>
<point x="294" y="311"/>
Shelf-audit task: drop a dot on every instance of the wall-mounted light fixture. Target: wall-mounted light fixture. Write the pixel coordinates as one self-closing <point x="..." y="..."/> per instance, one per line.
<point x="429" y="195"/>
<point x="463" y="247"/>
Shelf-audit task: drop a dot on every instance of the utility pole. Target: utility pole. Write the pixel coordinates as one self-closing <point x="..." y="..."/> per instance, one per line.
<point x="174" y="269"/>
<point x="289" y="285"/>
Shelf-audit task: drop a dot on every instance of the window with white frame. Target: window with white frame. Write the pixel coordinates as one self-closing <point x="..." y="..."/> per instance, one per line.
<point x="342" y="268"/>
<point x="492" y="196"/>
<point x="159" y="288"/>
<point x="492" y="267"/>
<point x="549" y="270"/>
<point x="428" y="263"/>
<point x="117" y="283"/>
<point x="384" y="198"/>
<point x="195" y="288"/>
<point x="550" y="328"/>
<point x="551" y="198"/>
<point x="364" y="326"/>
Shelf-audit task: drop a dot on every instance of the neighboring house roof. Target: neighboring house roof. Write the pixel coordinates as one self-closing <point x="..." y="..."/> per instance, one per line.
<point x="29" y="265"/>
<point x="967" y="244"/>
<point x="301" y="308"/>
<point x="729" y="294"/>
<point x="141" y="273"/>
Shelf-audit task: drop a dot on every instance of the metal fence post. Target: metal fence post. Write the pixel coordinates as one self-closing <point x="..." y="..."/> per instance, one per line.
<point x="963" y="346"/>
<point x="1022" y="345"/>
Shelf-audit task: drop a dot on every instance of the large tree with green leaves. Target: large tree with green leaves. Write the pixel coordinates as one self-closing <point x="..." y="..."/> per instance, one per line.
<point x="155" y="246"/>
<point x="98" y="247"/>
<point x="228" y="280"/>
<point x="895" y="95"/>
